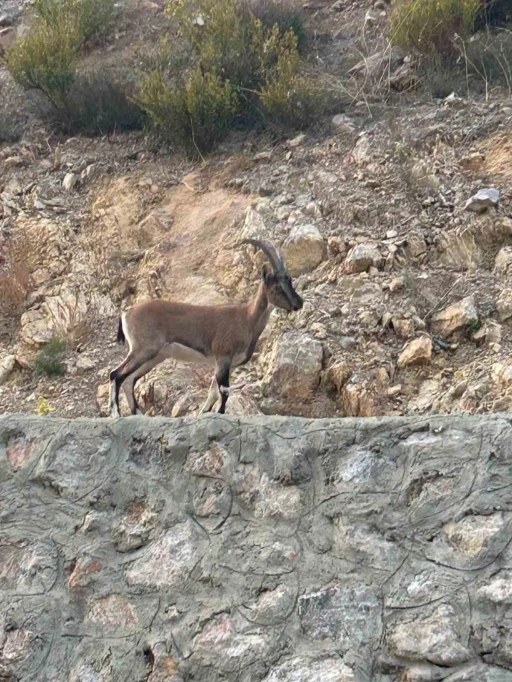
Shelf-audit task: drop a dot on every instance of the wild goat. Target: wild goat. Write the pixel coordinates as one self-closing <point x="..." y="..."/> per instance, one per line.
<point x="224" y="336"/>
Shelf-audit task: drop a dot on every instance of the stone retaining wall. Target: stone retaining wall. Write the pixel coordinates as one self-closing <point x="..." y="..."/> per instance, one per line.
<point x="262" y="549"/>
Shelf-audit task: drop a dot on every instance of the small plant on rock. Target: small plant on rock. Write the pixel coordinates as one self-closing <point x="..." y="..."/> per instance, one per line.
<point x="43" y="408"/>
<point x="49" y="360"/>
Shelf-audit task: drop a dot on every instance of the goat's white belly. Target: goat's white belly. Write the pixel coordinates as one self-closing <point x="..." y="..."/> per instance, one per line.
<point x="185" y="354"/>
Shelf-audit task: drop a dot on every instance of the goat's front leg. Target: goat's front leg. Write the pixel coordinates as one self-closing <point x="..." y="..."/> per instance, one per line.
<point x="213" y="395"/>
<point x="222" y="377"/>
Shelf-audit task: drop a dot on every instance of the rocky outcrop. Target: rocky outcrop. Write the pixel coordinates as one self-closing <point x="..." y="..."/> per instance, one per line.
<point x="255" y="550"/>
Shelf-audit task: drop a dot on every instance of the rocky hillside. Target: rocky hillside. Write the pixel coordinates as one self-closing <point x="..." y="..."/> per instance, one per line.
<point x="395" y="217"/>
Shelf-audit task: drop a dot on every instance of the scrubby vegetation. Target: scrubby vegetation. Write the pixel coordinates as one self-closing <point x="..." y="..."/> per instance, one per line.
<point x="90" y="19"/>
<point x="99" y="101"/>
<point x="232" y="63"/>
<point x="47" y="59"/>
<point x="244" y="70"/>
<point x="489" y="57"/>
<point x="16" y="283"/>
<point x="49" y="360"/>
<point x="286" y="14"/>
<point x="432" y="26"/>
<point x="455" y="42"/>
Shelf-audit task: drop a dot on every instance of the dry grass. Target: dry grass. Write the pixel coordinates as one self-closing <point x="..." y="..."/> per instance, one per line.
<point x="430" y="26"/>
<point x="498" y="157"/>
<point x="71" y="324"/>
<point x="16" y="281"/>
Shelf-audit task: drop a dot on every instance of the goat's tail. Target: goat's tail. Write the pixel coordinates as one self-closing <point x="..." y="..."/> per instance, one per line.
<point x="120" y="333"/>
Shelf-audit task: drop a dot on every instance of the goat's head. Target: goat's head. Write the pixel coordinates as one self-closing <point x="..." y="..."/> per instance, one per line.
<point x="278" y="283"/>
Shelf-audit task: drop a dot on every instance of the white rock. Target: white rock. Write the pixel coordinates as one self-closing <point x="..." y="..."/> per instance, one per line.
<point x="504" y="305"/>
<point x="499" y="589"/>
<point x="362" y="257"/>
<point x="35" y="328"/>
<point x="85" y="362"/>
<point x="482" y="200"/>
<point x="304" y="249"/>
<point x="436" y="638"/>
<point x="475" y="535"/>
<point x="296" y="366"/>
<point x="362" y="151"/>
<point x="301" y="669"/>
<point x="254" y="226"/>
<point x="170" y="558"/>
<point x="7" y="365"/>
<point x="297" y="141"/>
<point x="342" y="124"/>
<point x="70" y="180"/>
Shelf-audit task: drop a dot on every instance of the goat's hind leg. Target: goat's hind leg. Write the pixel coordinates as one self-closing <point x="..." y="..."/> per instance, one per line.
<point x="131" y="380"/>
<point x="133" y="361"/>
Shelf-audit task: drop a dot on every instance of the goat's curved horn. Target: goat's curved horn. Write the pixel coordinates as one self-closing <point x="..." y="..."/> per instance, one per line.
<point x="270" y="251"/>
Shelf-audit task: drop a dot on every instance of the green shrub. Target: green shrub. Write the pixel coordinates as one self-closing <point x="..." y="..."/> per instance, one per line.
<point x="93" y="19"/>
<point x="296" y="101"/>
<point x="225" y="39"/>
<point x="291" y="98"/>
<point x="194" y="116"/>
<point x="99" y="102"/>
<point x="45" y="59"/>
<point x="286" y="14"/>
<point x="241" y="70"/>
<point x="429" y="26"/>
<point x="49" y="359"/>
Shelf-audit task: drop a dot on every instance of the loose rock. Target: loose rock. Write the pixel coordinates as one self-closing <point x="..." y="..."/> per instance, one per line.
<point x="297" y="141"/>
<point x="455" y="317"/>
<point x="416" y="352"/>
<point x="296" y="367"/>
<point x="362" y="257"/>
<point x="70" y="181"/>
<point x="482" y="200"/>
<point x="342" y="124"/>
<point x="7" y="365"/>
<point x="304" y="249"/>
<point x="504" y="305"/>
<point x="503" y="262"/>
